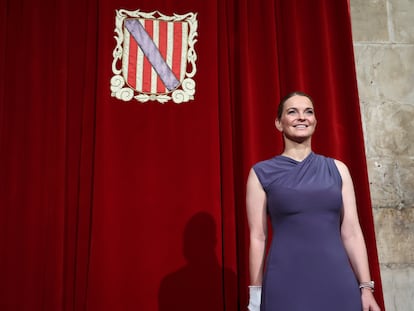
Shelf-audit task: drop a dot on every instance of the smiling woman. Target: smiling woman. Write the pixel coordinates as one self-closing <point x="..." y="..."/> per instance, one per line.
<point x="311" y="202"/>
<point x="296" y="119"/>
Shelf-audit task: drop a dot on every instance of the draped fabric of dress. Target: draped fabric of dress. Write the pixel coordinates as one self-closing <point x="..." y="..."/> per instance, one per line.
<point x="307" y="267"/>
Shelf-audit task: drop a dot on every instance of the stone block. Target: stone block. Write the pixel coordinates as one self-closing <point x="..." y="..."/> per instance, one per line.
<point x="385" y="72"/>
<point x="402" y="17"/>
<point x="367" y="84"/>
<point x="383" y="183"/>
<point x="369" y="20"/>
<point x="388" y="130"/>
<point x="406" y="178"/>
<point x="394" y="234"/>
<point x="398" y="287"/>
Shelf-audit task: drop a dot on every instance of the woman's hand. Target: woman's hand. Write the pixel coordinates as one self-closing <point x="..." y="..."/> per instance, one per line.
<point x="368" y="300"/>
<point x="255" y="297"/>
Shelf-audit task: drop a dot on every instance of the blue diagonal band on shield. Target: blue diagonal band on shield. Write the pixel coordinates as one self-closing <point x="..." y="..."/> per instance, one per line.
<point x="151" y="51"/>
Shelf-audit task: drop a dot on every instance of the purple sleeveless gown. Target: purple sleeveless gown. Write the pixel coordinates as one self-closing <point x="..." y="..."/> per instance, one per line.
<point x="307" y="268"/>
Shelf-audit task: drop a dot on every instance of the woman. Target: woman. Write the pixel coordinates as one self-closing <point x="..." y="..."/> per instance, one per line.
<point x="317" y="259"/>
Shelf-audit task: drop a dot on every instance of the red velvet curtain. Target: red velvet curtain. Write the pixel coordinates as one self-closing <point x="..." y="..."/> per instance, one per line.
<point x="108" y="205"/>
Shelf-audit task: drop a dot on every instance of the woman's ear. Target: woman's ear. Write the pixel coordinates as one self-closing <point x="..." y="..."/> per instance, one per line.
<point x="278" y="125"/>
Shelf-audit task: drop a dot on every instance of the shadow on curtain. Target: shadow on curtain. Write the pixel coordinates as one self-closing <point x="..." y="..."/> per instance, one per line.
<point x="198" y="284"/>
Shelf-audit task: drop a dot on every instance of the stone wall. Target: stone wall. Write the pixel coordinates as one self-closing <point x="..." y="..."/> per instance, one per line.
<point x="383" y="33"/>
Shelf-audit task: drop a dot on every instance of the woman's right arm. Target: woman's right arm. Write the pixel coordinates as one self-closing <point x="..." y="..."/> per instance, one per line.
<point x="257" y="220"/>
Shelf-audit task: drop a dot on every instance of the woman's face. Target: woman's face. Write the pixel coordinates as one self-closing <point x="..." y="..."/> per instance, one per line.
<point x="298" y="120"/>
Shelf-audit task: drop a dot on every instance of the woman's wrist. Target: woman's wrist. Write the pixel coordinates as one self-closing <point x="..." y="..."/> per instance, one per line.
<point x="367" y="286"/>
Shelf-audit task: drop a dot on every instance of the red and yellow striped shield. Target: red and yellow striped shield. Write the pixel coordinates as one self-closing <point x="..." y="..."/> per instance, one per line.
<point x="155" y="53"/>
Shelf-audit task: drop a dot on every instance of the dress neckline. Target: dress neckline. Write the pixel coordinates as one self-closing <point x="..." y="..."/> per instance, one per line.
<point x="294" y="160"/>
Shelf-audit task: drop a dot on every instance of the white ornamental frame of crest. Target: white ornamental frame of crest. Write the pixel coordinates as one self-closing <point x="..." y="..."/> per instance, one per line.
<point x="118" y="86"/>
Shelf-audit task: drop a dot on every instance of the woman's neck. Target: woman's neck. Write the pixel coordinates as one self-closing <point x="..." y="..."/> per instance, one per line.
<point x="297" y="152"/>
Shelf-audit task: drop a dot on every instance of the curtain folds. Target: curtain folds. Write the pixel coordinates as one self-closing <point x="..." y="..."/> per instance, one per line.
<point x="109" y="205"/>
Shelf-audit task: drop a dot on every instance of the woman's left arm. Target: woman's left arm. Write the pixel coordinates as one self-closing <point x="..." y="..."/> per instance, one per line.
<point x="353" y="238"/>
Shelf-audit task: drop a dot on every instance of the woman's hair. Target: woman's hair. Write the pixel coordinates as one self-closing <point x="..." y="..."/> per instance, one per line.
<point x="284" y="99"/>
